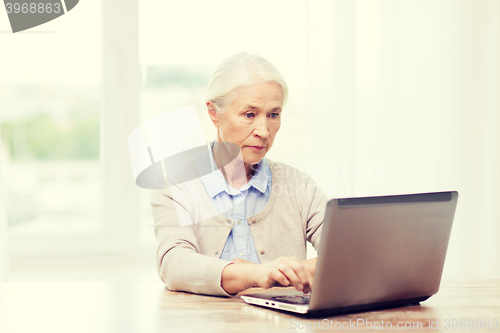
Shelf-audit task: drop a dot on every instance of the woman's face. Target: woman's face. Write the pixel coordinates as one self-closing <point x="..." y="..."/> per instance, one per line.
<point x="251" y="120"/>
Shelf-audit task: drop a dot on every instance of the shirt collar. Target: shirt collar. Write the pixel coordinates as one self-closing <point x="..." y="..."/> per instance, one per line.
<point x="215" y="183"/>
<point x="261" y="177"/>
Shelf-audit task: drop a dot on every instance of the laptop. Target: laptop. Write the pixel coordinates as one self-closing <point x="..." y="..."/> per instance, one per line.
<point x="375" y="253"/>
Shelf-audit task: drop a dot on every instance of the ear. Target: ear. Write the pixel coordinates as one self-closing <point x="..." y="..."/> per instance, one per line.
<point x="212" y="113"/>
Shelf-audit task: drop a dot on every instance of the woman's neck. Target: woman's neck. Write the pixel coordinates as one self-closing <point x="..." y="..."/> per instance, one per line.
<point x="236" y="172"/>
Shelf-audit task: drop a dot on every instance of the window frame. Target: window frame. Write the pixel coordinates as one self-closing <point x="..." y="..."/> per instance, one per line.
<point x="120" y="215"/>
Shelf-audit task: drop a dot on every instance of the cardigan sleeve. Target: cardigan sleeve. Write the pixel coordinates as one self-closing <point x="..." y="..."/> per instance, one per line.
<point x="316" y="209"/>
<point x="178" y="261"/>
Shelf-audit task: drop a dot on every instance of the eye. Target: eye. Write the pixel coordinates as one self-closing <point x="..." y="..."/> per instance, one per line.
<point x="274" y="115"/>
<point x="249" y="115"/>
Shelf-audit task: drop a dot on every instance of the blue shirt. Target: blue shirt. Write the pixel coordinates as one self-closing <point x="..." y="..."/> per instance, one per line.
<point x="248" y="200"/>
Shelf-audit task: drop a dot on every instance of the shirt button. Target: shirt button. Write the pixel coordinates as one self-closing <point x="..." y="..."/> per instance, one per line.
<point x="241" y="253"/>
<point x="262" y="251"/>
<point x="239" y="221"/>
<point x="239" y="194"/>
<point x="216" y="253"/>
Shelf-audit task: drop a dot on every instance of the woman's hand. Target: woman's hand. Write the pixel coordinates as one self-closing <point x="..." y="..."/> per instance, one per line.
<point x="287" y="271"/>
<point x="284" y="271"/>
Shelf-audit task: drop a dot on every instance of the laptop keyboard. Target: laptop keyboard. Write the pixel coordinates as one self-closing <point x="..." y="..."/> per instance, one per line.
<point x="299" y="299"/>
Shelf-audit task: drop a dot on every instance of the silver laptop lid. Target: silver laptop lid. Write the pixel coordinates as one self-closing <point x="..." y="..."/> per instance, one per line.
<point x="380" y="249"/>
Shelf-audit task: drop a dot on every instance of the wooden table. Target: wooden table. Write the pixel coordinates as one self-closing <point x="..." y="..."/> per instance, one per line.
<point x="92" y="307"/>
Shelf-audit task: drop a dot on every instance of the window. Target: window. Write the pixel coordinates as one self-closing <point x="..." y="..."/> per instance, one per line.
<point x="49" y="102"/>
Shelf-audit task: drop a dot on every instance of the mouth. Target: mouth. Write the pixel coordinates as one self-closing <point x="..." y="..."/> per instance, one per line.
<point x="257" y="148"/>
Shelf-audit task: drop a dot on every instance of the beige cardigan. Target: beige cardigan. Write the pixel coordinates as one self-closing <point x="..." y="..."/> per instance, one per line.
<point x="188" y="256"/>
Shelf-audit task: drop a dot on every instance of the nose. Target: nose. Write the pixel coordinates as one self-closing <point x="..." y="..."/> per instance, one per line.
<point x="261" y="128"/>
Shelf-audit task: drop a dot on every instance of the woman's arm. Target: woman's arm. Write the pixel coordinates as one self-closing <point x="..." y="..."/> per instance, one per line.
<point x="179" y="261"/>
<point x="285" y="271"/>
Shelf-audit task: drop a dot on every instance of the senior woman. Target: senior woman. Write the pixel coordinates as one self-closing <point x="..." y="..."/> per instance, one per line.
<point x="249" y="220"/>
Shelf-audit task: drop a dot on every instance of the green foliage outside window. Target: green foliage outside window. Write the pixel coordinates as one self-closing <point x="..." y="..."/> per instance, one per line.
<point x="40" y="137"/>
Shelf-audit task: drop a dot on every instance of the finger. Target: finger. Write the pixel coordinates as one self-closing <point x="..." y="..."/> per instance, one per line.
<point x="301" y="273"/>
<point x="308" y="288"/>
<point x="310" y="279"/>
<point x="304" y="276"/>
<point x="278" y="276"/>
<point x="291" y="275"/>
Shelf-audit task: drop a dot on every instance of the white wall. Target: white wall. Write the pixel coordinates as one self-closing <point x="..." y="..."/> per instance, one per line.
<point x="407" y="93"/>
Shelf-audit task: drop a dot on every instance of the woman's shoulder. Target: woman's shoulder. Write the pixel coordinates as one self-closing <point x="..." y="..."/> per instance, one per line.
<point x="295" y="183"/>
<point x="285" y="171"/>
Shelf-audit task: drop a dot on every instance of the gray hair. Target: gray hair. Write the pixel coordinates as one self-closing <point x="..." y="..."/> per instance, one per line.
<point x="238" y="71"/>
